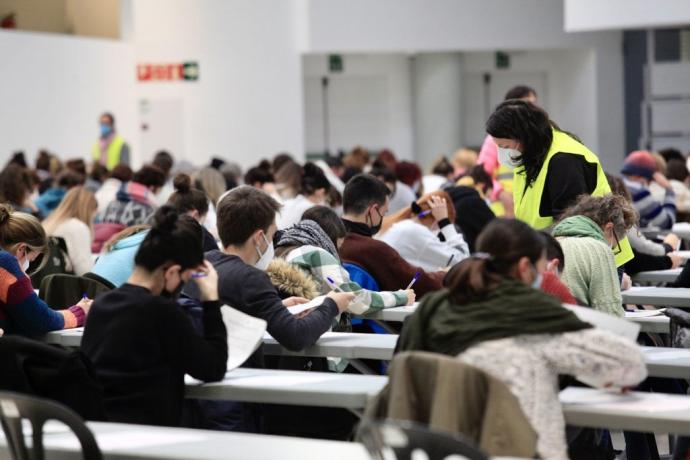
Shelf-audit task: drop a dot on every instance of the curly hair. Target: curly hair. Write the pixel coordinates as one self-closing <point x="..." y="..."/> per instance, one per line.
<point x="602" y="210"/>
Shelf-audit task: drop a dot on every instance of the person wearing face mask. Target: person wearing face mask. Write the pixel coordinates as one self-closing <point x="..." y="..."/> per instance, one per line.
<point x="135" y="201"/>
<point x="491" y="317"/>
<point x="365" y="203"/>
<point x="111" y="149"/>
<point x="415" y="232"/>
<point x="314" y="187"/>
<point x="246" y="226"/>
<point x="22" y="239"/>
<point x="551" y="167"/>
<point x="590" y="233"/>
<point x="140" y="341"/>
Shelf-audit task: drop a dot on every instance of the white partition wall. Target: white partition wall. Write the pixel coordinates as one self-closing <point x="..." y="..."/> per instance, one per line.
<point x="54" y="87"/>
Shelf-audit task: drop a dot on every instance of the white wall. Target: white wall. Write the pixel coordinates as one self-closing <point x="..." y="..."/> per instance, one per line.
<point x="54" y="87"/>
<point x="439" y="25"/>
<point x="358" y="117"/>
<point x="585" y="15"/>
<point x="247" y="103"/>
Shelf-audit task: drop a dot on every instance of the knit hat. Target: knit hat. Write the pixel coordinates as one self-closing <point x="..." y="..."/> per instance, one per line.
<point x="639" y="163"/>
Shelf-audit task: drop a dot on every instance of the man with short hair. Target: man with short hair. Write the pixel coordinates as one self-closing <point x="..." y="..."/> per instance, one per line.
<point x="111" y="148"/>
<point x="365" y="203"/>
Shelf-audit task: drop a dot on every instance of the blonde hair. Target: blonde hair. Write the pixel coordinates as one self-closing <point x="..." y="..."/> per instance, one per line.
<point x="78" y="203"/>
<point x="423" y="202"/>
<point x="19" y="227"/>
<point x="465" y="158"/>
<point x="211" y="182"/>
<point x="129" y="231"/>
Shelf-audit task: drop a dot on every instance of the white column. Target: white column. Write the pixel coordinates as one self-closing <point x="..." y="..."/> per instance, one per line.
<point x="437" y="106"/>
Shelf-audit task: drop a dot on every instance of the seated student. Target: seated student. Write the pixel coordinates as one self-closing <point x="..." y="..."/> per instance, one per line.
<point x="313" y="245"/>
<point x="401" y="194"/>
<point x="314" y="188"/>
<point x="365" y="203"/>
<point x="551" y="282"/>
<point x="194" y="203"/>
<point x="22" y="239"/>
<point x="108" y="191"/>
<point x="677" y="173"/>
<point x="415" y="232"/>
<point x="639" y="170"/>
<point x="649" y="254"/>
<point x="73" y="221"/>
<point x="589" y="232"/>
<point x="472" y="213"/>
<point x="246" y="225"/>
<point x="139" y="340"/>
<point x="135" y="201"/>
<point x="491" y="317"/>
<point x="49" y="200"/>
<point x="116" y="263"/>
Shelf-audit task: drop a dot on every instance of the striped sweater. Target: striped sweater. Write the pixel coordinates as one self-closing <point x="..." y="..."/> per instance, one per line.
<point x="21" y="311"/>
<point x="653" y="213"/>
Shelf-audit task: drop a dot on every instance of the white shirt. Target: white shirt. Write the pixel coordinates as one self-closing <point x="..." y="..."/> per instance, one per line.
<point x="292" y="210"/>
<point x="433" y="182"/>
<point x="107" y="193"/>
<point x="420" y="247"/>
<point x="78" y="238"/>
<point x="402" y="198"/>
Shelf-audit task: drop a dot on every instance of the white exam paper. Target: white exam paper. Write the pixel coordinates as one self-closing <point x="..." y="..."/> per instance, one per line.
<point x="315" y="302"/>
<point x="644" y="313"/>
<point x="606" y="322"/>
<point x="244" y="335"/>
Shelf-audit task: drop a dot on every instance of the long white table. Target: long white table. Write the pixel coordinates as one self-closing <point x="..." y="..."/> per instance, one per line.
<point x="142" y="442"/>
<point x="651" y="412"/>
<point x="322" y="389"/>
<point x="395" y="314"/>
<point x="657" y="296"/>
<point x="657" y="276"/>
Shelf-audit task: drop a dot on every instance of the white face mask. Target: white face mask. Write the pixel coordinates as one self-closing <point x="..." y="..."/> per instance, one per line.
<point x="25" y="265"/>
<point x="266" y="257"/>
<point x="509" y="157"/>
<point x="687" y="163"/>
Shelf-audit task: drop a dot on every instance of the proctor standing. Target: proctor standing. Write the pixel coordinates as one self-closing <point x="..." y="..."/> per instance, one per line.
<point x="551" y="167"/>
<point x="111" y="149"/>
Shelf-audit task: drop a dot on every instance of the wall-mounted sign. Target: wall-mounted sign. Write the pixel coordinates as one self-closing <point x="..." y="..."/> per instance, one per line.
<point x="184" y="71"/>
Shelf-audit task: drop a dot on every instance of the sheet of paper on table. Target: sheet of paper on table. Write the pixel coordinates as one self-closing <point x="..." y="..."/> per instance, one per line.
<point x="244" y="335"/>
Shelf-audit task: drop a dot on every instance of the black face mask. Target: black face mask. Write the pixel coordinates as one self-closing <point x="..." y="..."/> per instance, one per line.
<point x="375" y="228"/>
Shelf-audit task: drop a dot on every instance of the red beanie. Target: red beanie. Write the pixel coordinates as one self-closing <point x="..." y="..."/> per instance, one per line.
<point x="639" y="163"/>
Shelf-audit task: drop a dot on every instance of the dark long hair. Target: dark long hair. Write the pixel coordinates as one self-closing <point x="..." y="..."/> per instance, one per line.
<point x="501" y="244"/>
<point x="172" y="238"/>
<point x="527" y="124"/>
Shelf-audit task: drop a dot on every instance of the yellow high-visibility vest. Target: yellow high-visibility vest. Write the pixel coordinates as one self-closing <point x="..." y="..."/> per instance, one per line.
<point x="528" y="199"/>
<point x="113" y="154"/>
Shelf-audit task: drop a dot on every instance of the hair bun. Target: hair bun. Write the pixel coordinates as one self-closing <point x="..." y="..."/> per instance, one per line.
<point x="164" y="220"/>
<point x="5" y="213"/>
<point x="182" y="183"/>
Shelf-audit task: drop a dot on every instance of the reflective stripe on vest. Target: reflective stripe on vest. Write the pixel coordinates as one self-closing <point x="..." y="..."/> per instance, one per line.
<point x="113" y="154"/>
<point x="528" y="199"/>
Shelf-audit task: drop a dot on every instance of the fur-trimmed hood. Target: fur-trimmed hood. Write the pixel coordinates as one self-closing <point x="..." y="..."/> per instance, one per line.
<point x="291" y="280"/>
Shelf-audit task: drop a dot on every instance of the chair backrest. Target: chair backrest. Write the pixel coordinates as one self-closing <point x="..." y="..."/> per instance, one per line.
<point x="57" y="261"/>
<point x="361" y="276"/>
<point x="61" y="291"/>
<point x="398" y="440"/>
<point x="15" y="407"/>
<point x="680" y="327"/>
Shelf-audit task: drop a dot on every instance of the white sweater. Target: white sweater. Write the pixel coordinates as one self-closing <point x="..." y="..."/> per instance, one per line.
<point x="292" y="210"/>
<point x="78" y="238"/>
<point x="420" y="247"/>
<point x="530" y="365"/>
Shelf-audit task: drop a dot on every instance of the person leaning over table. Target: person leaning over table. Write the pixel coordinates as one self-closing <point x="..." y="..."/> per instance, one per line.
<point x="551" y="166"/>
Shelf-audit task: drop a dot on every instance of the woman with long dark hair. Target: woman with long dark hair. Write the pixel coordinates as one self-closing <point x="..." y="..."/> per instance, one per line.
<point x="551" y="167"/>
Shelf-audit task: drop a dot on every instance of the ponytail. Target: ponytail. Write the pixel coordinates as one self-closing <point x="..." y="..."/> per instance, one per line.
<point x="172" y="238"/>
<point x="502" y="243"/>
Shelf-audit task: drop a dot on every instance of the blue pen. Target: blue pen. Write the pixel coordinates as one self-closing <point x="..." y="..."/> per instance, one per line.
<point x="332" y="284"/>
<point x="84" y="296"/>
<point x="414" y="280"/>
<point x="424" y="213"/>
<point x="198" y="275"/>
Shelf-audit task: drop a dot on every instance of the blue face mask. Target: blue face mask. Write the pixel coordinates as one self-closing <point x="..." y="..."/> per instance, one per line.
<point x="106" y="129"/>
<point x="536" y="284"/>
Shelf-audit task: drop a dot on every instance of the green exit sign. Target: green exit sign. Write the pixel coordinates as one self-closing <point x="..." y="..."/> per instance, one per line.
<point x="502" y="60"/>
<point x="335" y="63"/>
